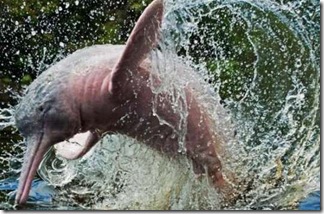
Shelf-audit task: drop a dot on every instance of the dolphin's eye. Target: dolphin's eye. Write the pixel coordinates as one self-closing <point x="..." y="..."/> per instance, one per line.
<point x="41" y="108"/>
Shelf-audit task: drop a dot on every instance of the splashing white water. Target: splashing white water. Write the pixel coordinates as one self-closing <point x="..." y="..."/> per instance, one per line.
<point x="6" y="118"/>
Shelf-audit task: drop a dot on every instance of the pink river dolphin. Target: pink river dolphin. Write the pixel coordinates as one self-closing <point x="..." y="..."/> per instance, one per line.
<point x="106" y="89"/>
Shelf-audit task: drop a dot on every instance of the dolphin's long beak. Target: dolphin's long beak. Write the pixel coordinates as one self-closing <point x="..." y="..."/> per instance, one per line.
<point x="36" y="148"/>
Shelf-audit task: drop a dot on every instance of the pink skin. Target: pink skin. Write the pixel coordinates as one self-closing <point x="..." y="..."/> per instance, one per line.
<point x="75" y="147"/>
<point x="105" y="89"/>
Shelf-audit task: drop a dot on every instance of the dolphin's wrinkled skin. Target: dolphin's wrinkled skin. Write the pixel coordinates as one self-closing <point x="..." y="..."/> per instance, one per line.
<point x="106" y="88"/>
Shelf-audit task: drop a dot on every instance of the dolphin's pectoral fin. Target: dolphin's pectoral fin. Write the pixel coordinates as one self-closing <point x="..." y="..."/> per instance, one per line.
<point x="76" y="147"/>
<point x="92" y="139"/>
<point x="142" y="40"/>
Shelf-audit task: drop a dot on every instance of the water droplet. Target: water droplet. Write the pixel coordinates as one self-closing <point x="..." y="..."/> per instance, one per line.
<point x="283" y="48"/>
<point x="298" y="63"/>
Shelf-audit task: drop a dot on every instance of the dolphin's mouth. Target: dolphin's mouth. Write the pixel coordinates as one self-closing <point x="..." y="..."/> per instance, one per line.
<point x="36" y="148"/>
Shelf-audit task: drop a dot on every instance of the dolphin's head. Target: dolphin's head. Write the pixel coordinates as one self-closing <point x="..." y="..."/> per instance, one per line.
<point x="46" y="115"/>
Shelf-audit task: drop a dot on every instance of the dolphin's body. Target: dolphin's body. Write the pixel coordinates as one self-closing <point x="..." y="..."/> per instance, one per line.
<point x="106" y="88"/>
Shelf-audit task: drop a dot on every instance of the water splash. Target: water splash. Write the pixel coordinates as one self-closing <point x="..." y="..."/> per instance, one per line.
<point x="6" y="118"/>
